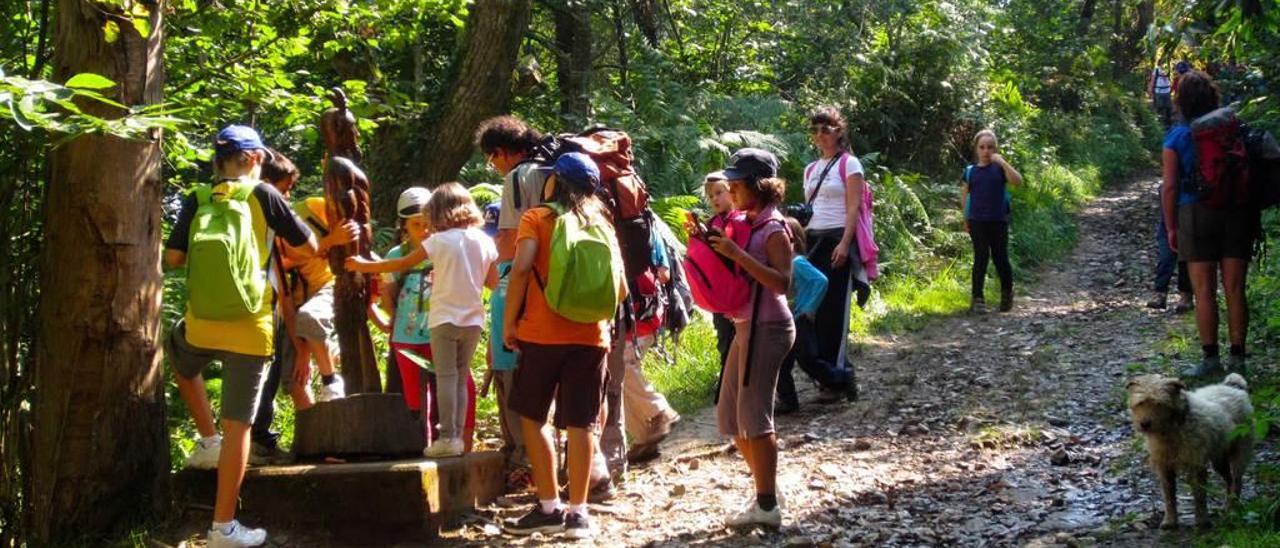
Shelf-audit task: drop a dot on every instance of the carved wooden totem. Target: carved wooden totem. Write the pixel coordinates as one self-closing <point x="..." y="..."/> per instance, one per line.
<point x="346" y="190"/>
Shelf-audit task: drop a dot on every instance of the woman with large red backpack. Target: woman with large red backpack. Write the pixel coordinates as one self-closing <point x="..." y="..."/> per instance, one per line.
<point x="1212" y="224"/>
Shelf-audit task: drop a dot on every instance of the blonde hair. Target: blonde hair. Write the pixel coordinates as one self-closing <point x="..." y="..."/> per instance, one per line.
<point x="451" y="206"/>
<point x="985" y="133"/>
<point x="708" y="183"/>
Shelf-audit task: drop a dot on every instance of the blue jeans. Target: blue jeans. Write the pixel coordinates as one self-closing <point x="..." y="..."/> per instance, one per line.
<point x="1167" y="261"/>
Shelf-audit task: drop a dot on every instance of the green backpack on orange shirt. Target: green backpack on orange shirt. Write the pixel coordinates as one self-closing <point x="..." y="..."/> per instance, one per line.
<point x="224" y="279"/>
<point x="583" y="279"/>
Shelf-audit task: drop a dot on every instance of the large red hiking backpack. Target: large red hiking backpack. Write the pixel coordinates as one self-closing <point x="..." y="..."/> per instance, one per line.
<point x="1222" y="175"/>
<point x="621" y="188"/>
<point x="623" y="191"/>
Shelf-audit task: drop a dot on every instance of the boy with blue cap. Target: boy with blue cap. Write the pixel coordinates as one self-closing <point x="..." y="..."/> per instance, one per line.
<point x="238" y="332"/>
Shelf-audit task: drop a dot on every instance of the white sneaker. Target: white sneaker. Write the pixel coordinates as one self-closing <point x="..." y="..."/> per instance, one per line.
<point x="753" y="514"/>
<point x="206" y="453"/>
<point x="239" y="536"/>
<point x="332" y="391"/>
<point x="444" y="447"/>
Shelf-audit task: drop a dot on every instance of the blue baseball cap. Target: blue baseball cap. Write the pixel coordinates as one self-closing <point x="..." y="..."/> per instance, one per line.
<point x="235" y="138"/>
<point x="1182" y="67"/>
<point x="751" y="163"/>
<point x="577" y="169"/>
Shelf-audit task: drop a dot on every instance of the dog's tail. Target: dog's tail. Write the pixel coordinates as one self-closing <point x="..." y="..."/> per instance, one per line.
<point x="1234" y="380"/>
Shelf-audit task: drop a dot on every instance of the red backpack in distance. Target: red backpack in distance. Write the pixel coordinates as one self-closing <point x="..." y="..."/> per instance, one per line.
<point x="1222" y="175"/>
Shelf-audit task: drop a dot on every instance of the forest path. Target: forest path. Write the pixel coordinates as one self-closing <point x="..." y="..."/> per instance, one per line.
<point x="1002" y="429"/>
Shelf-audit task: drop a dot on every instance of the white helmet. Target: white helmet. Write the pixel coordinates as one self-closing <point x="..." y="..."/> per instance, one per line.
<point x="411" y="201"/>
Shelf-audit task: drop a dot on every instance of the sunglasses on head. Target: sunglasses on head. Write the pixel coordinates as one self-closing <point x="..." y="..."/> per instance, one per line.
<point x="821" y="128"/>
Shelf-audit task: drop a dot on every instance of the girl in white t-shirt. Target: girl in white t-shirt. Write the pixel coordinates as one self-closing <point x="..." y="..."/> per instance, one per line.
<point x="833" y="187"/>
<point x="463" y="258"/>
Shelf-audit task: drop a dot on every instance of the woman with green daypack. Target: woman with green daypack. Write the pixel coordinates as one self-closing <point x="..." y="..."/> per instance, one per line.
<point x="560" y="358"/>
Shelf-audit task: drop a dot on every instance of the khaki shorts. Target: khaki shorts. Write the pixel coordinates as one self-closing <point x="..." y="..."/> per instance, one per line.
<point x="242" y="375"/>
<point x="1210" y="235"/>
<point x="747" y="411"/>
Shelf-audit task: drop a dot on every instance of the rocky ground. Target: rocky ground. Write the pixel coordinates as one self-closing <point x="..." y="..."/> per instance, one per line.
<point x="1002" y="429"/>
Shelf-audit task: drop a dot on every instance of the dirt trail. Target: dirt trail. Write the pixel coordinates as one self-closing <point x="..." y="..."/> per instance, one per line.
<point x="1003" y="429"/>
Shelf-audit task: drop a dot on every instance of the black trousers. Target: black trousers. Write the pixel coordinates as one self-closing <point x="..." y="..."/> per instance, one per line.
<point x="805" y="353"/>
<point x="831" y="322"/>
<point x="990" y="243"/>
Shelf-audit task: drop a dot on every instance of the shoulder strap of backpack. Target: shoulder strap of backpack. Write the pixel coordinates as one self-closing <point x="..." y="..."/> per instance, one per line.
<point x="822" y="178"/>
<point x="844" y="168"/>
<point x="968" y="173"/>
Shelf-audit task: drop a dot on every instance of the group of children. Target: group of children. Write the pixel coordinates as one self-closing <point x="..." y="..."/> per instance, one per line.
<point x="540" y="360"/>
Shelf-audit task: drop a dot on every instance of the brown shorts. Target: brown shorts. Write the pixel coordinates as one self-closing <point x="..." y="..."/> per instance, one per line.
<point x="1207" y="234"/>
<point x="572" y="375"/>
<point x="747" y="411"/>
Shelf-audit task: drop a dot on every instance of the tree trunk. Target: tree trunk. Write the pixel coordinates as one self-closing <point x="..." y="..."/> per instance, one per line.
<point x="645" y="13"/>
<point x="1086" y="16"/>
<point x="573" y="64"/>
<point x="480" y="87"/>
<point x="100" y="451"/>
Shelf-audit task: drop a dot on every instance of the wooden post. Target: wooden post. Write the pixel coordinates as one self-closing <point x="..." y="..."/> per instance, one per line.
<point x="347" y="192"/>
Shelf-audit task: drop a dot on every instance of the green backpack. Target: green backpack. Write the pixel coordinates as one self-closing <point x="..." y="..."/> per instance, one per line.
<point x="582" y="281"/>
<point x="224" y="281"/>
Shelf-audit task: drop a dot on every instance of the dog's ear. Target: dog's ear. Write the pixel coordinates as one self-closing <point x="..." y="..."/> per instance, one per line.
<point x="1174" y="386"/>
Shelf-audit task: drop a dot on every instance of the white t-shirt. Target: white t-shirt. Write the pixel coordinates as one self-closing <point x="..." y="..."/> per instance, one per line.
<point x="461" y="257"/>
<point x="531" y="178"/>
<point x="828" y="205"/>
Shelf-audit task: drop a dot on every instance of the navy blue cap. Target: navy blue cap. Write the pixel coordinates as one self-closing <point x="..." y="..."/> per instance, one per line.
<point x="579" y="170"/>
<point x="1182" y="67"/>
<point x="751" y="163"/>
<point x="235" y="138"/>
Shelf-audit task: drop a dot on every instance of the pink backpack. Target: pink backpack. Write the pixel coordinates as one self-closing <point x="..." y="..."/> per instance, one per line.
<point x="718" y="284"/>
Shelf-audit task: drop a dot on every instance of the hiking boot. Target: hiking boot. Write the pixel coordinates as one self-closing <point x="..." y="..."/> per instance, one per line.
<point x="1006" y="300"/>
<point x="601" y="491"/>
<point x="577" y="526"/>
<point x="332" y="391"/>
<point x="263" y="455"/>
<point x="785" y="408"/>
<point x="753" y="514"/>
<point x="442" y="448"/>
<point x="828" y="395"/>
<point x="239" y="536"/>
<point x="536" y="522"/>
<point x="1235" y="364"/>
<point x="978" y="306"/>
<point x="1209" y="366"/>
<point x="1158" y="301"/>
<point x="642" y="452"/>
<point x="205" y="454"/>
<point x="1186" y="303"/>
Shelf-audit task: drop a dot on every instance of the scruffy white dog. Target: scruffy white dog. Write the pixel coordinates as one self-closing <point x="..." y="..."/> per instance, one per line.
<point x="1186" y="430"/>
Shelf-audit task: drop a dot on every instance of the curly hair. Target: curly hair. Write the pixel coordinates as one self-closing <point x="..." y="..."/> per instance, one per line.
<point x="767" y="190"/>
<point x="451" y="206"/>
<point x="830" y="116"/>
<point x="1197" y="94"/>
<point x="506" y="133"/>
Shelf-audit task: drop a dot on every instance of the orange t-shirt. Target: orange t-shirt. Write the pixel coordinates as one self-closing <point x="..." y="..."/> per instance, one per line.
<point x="539" y="324"/>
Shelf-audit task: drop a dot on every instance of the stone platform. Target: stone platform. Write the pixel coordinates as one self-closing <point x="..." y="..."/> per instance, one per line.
<point x="363" y="502"/>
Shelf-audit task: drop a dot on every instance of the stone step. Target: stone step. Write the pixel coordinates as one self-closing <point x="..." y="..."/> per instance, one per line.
<point x="363" y="502"/>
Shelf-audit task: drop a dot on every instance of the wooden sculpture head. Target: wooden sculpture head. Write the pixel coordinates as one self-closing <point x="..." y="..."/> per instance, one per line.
<point x="338" y="128"/>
